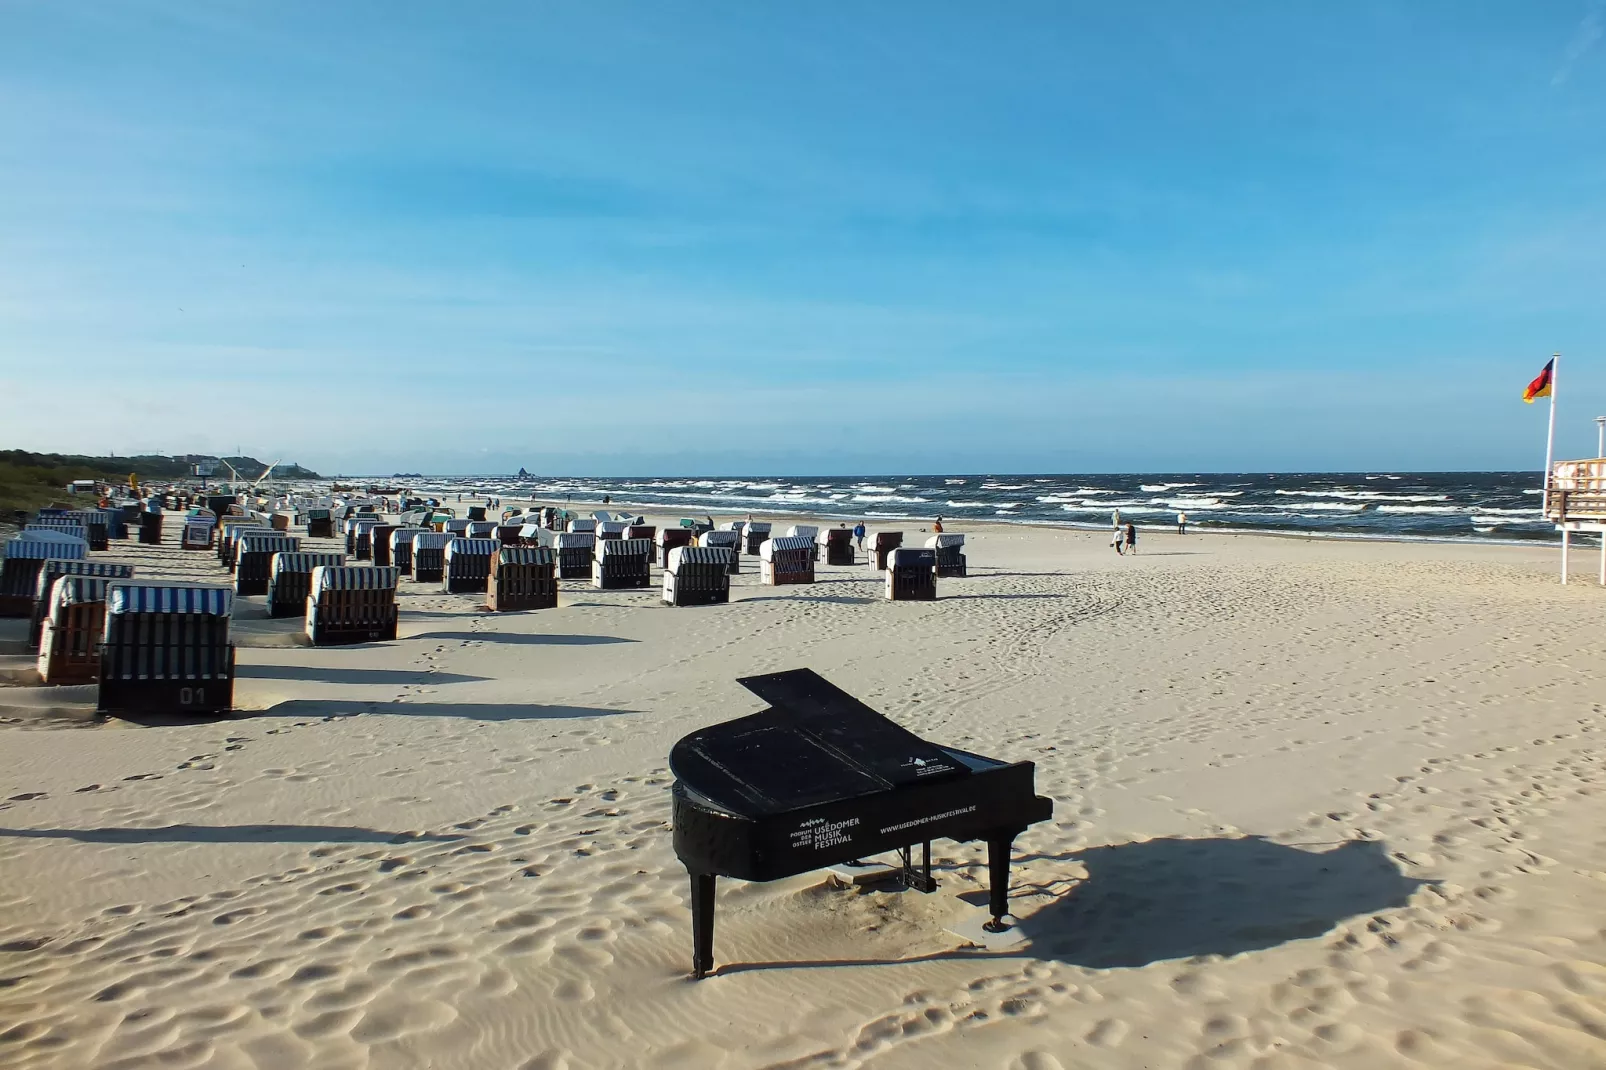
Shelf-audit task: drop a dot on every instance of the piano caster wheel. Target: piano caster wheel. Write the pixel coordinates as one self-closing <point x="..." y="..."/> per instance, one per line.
<point x="996" y="925"/>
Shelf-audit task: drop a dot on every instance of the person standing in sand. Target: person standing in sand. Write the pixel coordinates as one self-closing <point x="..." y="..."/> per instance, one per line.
<point x="1182" y="523"/>
<point x="1131" y="537"/>
<point x="858" y="535"/>
<point x="936" y="526"/>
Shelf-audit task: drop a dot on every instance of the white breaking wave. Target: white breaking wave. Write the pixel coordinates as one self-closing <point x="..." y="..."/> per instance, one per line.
<point x="1420" y="509"/>
<point x="1363" y="495"/>
<point x="1151" y="488"/>
<point x="1480" y="519"/>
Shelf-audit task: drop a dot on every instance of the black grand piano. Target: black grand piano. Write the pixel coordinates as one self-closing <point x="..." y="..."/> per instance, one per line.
<point x="820" y="778"/>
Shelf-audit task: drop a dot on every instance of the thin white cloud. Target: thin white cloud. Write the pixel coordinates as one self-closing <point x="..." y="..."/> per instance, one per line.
<point x="1589" y="32"/>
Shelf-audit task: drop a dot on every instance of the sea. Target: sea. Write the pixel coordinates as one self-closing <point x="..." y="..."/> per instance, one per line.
<point x="1489" y="506"/>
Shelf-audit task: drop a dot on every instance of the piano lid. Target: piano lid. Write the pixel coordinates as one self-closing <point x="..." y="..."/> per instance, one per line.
<point x="816" y="744"/>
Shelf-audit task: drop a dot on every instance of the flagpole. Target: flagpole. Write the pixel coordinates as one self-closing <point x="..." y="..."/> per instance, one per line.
<point x="1550" y="436"/>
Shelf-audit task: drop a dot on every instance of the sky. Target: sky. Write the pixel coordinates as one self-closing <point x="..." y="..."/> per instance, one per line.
<point x="760" y="238"/>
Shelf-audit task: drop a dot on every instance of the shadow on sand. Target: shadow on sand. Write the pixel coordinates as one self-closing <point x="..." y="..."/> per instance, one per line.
<point x="1164" y="899"/>
<point x="524" y="639"/>
<point x="230" y="834"/>
<point x="329" y="709"/>
<point x="331" y="674"/>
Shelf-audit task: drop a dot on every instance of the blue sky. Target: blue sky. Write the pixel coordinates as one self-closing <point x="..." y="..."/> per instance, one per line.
<point x="662" y="238"/>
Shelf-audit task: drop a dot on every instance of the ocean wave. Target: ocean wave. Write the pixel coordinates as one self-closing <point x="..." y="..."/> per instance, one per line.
<point x="1363" y="495"/>
<point x="1481" y="519"/>
<point x="1126" y="509"/>
<point x="1188" y="503"/>
<point x="888" y="499"/>
<point x="1420" y="509"/>
<point x="971" y="505"/>
<point x="1151" y="488"/>
<point x="1334" y="507"/>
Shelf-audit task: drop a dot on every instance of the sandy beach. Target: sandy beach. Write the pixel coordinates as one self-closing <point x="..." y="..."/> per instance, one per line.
<point x="1318" y="803"/>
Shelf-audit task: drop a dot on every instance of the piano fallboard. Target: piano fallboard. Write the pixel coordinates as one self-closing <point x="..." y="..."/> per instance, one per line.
<point x="996" y="799"/>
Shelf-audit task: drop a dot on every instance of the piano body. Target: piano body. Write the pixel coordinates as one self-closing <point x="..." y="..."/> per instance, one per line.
<point x="820" y="778"/>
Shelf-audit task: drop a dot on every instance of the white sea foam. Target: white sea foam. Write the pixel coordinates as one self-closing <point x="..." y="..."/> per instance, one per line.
<point x="1152" y="488"/>
<point x="1508" y="520"/>
<point x="1363" y="495"/>
<point x="1420" y="509"/>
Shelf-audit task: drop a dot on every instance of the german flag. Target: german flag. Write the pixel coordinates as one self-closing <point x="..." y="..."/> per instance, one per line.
<point x="1540" y="387"/>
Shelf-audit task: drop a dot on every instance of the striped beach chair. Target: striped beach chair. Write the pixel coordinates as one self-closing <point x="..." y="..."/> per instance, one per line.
<point x="698" y="575"/>
<point x="509" y="534"/>
<point x="69" y="641"/>
<point x="950" y="551"/>
<point x="786" y="559"/>
<point x="621" y="564"/>
<point x="401" y="549"/>
<point x="640" y="531"/>
<point x="575" y="551"/>
<point x="197" y="533"/>
<point x="166" y="649"/>
<point x="362" y="540"/>
<point x="226" y="525"/>
<point x="61" y="526"/>
<point x="351" y="604"/>
<point x="131" y="513"/>
<point x="95" y="523"/>
<point x="429" y="555"/>
<point x="379" y="541"/>
<point x="51" y="569"/>
<point x="468" y="565"/>
<point x="320" y="524"/>
<point x="25" y="554"/>
<point x="756" y="532"/>
<point x="480" y="529"/>
<point x="669" y="539"/>
<point x="729" y="540"/>
<point x="150" y="528"/>
<point x="838" y="546"/>
<point x="806" y="531"/>
<point x="523" y="577"/>
<point x="253" y="560"/>
<point x="583" y="523"/>
<point x="911" y="574"/>
<point x="609" y="530"/>
<point x="236" y="535"/>
<point x="457" y="527"/>
<point x="290" y="579"/>
<point x="885" y="543"/>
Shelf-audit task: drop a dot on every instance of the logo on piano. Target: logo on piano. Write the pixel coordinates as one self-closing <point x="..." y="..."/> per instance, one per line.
<point x="926" y="766"/>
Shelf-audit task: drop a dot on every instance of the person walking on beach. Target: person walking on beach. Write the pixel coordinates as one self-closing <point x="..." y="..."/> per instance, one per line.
<point x="858" y="535"/>
<point x="1182" y="523"/>
<point x="1131" y="537"/>
<point x="1117" y="539"/>
<point x="936" y="526"/>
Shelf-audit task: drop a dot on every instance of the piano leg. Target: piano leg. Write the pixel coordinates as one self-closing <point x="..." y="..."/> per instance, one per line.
<point x="702" y="924"/>
<point x="998" y="852"/>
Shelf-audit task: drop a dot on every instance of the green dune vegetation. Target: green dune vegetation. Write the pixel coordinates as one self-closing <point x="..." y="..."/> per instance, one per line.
<point x="29" y="481"/>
